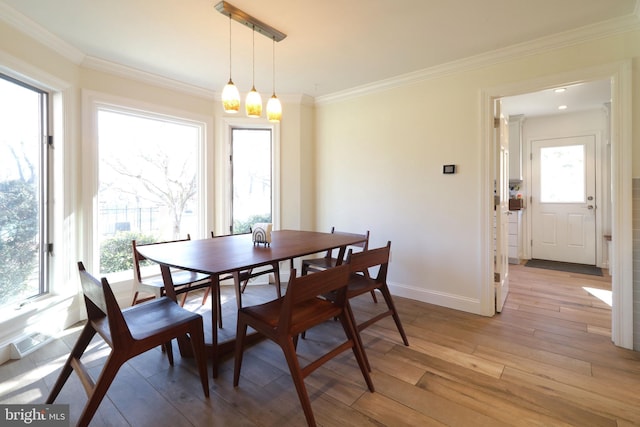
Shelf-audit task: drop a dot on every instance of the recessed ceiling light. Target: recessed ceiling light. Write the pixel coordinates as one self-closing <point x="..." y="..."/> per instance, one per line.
<point x="560" y="90"/>
<point x="562" y="107"/>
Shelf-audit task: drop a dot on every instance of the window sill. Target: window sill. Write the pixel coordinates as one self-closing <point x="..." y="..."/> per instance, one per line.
<point x="37" y="305"/>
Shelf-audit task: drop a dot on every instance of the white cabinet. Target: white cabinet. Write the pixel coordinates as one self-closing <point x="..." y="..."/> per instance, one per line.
<point x="515" y="147"/>
<point x="515" y="233"/>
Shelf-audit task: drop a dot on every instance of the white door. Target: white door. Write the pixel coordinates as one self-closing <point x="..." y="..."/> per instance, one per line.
<point x="563" y="199"/>
<point x="501" y="274"/>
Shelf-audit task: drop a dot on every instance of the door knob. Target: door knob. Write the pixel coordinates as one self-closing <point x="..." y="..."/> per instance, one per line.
<point x="590" y="198"/>
<point x="590" y="207"/>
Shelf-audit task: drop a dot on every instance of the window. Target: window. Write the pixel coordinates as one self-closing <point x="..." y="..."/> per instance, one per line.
<point x="148" y="182"/>
<point x="251" y="177"/>
<point x="562" y="174"/>
<point x="23" y="189"/>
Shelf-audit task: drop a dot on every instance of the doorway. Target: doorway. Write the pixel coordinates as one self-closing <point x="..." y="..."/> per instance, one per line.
<point x="619" y="77"/>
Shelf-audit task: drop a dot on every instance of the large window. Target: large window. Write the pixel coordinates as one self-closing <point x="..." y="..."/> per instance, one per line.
<point x="23" y="172"/>
<point x="148" y="182"/>
<point x="251" y="182"/>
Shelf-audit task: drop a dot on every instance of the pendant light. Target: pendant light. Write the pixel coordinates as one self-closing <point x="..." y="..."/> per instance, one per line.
<point x="253" y="102"/>
<point x="230" y="94"/>
<point x="274" y="108"/>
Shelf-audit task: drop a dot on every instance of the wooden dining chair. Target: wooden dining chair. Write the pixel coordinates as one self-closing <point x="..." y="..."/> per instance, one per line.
<point x="281" y="320"/>
<point x="128" y="332"/>
<point x="330" y="258"/>
<point x="183" y="280"/>
<point x="361" y="282"/>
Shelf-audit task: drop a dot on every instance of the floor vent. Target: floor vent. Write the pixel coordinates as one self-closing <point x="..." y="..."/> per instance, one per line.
<point x="28" y="344"/>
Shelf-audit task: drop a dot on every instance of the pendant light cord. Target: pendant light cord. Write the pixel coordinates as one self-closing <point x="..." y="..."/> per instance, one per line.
<point x="229" y="47"/>
<point x="273" y="45"/>
<point x="253" y="54"/>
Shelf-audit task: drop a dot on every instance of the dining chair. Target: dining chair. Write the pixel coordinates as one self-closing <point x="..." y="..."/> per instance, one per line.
<point x="361" y="282"/>
<point x="183" y="280"/>
<point x="330" y="259"/>
<point x="283" y="319"/>
<point x="128" y="332"/>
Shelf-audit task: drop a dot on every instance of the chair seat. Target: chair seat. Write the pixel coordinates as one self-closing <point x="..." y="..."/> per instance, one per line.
<point x="151" y="317"/>
<point x="359" y="284"/>
<point x="311" y="311"/>
<point x="322" y="263"/>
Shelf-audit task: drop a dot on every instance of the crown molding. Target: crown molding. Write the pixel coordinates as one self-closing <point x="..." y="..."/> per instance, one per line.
<point x="38" y="33"/>
<point x="130" y="73"/>
<point x="556" y="41"/>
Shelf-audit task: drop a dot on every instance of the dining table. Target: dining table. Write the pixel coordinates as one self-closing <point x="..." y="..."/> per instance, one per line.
<point x="231" y="254"/>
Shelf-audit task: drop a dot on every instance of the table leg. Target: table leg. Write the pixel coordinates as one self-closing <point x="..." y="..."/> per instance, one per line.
<point x="215" y="304"/>
<point x="238" y="287"/>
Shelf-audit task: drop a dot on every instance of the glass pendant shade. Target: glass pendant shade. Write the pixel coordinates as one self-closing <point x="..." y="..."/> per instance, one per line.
<point x="274" y="109"/>
<point x="231" y="98"/>
<point x="253" y="103"/>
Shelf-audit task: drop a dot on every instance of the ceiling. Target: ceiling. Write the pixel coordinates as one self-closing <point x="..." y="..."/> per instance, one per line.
<point x="331" y="45"/>
<point x="576" y="97"/>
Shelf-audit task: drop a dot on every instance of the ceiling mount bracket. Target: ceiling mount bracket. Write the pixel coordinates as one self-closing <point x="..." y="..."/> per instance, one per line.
<point x="244" y="18"/>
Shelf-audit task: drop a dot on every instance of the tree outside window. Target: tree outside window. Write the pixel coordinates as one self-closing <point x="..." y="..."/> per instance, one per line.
<point x="148" y="186"/>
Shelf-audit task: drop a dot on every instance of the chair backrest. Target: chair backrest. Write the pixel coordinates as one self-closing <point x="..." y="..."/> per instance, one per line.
<point x="364" y="244"/>
<point x="361" y="262"/>
<point x="100" y="303"/>
<point x="138" y="257"/>
<point x="310" y="286"/>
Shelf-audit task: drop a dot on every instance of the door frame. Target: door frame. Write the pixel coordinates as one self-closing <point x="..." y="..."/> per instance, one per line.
<point x="621" y="263"/>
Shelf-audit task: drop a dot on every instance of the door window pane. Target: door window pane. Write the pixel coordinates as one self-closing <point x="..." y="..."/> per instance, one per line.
<point x="251" y="178"/>
<point x="562" y="174"/>
<point x="22" y="183"/>
<point x="148" y="185"/>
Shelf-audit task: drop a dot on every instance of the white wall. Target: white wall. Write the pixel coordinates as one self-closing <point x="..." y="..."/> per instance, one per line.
<point x="379" y="167"/>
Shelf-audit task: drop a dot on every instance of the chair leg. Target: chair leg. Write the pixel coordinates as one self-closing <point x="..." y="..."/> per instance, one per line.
<point x="196" y="336"/>
<point x="358" y="349"/>
<point x="168" y="348"/>
<point x="387" y="297"/>
<point x="373" y="295"/>
<point x="135" y="298"/>
<point x="358" y="338"/>
<point x="205" y="296"/>
<point x="109" y="371"/>
<point x="289" y="351"/>
<point x="241" y="333"/>
<point x="184" y="299"/>
<point x="81" y="345"/>
<point x="246" y="281"/>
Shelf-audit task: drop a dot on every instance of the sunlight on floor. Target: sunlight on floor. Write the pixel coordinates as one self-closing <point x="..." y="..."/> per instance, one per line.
<point x="602" y="294"/>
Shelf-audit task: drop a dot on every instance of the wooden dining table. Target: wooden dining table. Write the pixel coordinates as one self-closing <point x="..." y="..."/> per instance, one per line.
<point x="232" y="254"/>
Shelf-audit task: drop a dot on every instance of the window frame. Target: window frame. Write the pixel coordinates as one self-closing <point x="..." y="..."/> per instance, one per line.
<point x="223" y="222"/>
<point x="44" y="179"/>
<point x="95" y="101"/>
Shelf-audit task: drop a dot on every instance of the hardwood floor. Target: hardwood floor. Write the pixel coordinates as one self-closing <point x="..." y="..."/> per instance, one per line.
<point x="546" y="360"/>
